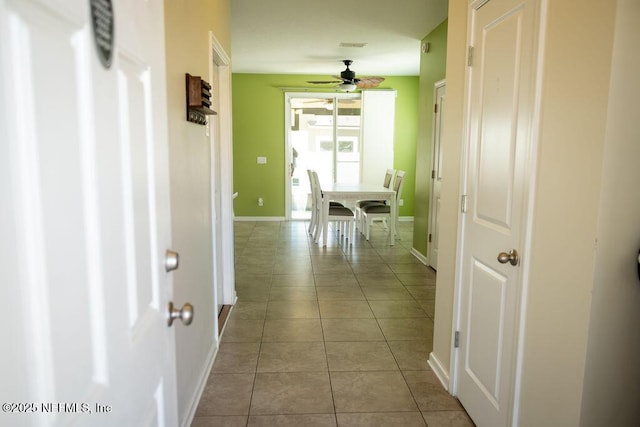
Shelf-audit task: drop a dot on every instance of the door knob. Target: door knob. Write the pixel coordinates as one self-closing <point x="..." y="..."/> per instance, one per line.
<point x="510" y="257"/>
<point x="171" y="260"/>
<point x="185" y="314"/>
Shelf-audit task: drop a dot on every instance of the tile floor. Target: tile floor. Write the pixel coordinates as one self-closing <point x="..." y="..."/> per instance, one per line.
<point x="334" y="336"/>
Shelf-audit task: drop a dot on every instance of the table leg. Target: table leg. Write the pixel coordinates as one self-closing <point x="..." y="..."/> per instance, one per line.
<point x="392" y="226"/>
<point x="325" y="220"/>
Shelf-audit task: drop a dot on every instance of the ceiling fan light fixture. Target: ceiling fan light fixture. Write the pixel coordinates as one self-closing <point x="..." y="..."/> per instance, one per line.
<point x="347" y="87"/>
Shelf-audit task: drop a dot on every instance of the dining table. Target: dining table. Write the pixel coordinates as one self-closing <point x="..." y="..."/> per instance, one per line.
<point x="354" y="192"/>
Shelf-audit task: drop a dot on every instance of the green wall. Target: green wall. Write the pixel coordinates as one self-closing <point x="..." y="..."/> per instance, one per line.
<point x="258" y="130"/>
<point x="432" y="69"/>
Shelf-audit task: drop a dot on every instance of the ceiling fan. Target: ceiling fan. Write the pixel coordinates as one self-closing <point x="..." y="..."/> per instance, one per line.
<point x="348" y="81"/>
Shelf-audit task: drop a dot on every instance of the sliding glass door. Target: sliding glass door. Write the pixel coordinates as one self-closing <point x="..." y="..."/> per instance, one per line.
<point x="323" y="134"/>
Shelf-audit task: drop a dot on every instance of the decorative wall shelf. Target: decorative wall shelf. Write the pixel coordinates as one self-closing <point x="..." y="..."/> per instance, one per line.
<point x="198" y="100"/>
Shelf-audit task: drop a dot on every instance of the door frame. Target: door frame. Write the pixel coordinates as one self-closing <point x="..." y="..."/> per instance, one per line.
<point x="537" y="67"/>
<point x="219" y="57"/>
<point x="287" y="145"/>
<point x="435" y="132"/>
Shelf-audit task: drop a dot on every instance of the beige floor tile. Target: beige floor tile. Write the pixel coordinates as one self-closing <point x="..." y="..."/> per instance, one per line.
<point x="396" y="309"/>
<point x="351" y="330"/>
<point x="448" y="419"/>
<point x="347" y="279"/>
<point x="345" y="309"/>
<point x="313" y="420"/>
<point x="293" y="280"/>
<point x="381" y="419"/>
<point x="293" y="294"/>
<point x="226" y="394"/>
<point x="371" y="268"/>
<point x="406" y="329"/>
<point x="255" y="310"/>
<point x="236" y="358"/>
<point x="366" y="256"/>
<point x="429" y="393"/>
<point x="412" y="355"/>
<point x="293" y="310"/>
<point x="292" y="393"/>
<point x="373" y="279"/>
<point x="413" y="267"/>
<point x="299" y="268"/>
<point x="360" y="356"/>
<point x="243" y="330"/>
<point x="253" y="293"/>
<point x="389" y="293"/>
<point x="329" y="311"/>
<point x="371" y="392"/>
<point x="220" y="421"/>
<point x="292" y="330"/>
<point x="411" y="279"/>
<point x="429" y="307"/>
<point x="260" y="269"/>
<point x="332" y="268"/>
<point x="292" y="357"/>
<point x="422" y="292"/>
<point x="340" y="293"/>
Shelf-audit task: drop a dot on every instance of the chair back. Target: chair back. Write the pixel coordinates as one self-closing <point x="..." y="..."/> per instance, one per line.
<point x="388" y="176"/>
<point x="315" y="188"/>
<point x="398" y="183"/>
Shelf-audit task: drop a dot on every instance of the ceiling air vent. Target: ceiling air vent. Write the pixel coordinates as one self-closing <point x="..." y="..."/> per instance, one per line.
<point x="346" y="44"/>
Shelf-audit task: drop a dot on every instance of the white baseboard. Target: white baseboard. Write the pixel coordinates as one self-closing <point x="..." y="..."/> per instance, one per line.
<point x="191" y="413"/>
<point x="423" y="259"/>
<point x="259" y="218"/>
<point x="405" y="219"/>
<point x="439" y="370"/>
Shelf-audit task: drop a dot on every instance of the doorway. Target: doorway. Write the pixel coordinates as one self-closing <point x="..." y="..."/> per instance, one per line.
<point x="436" y="172"/>
<point x="323" y="134"/>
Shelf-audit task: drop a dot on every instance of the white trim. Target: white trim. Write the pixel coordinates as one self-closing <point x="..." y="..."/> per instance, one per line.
<point x="438" y="369"/>
<point x="218" y="55"/>
<point x="259" y="218"/>
<point x="202" y="382"/>
<point x="423" y="259"/>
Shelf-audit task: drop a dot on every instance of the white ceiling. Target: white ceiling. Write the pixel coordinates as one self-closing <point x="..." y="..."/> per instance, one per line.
<point x="304" y="36"/>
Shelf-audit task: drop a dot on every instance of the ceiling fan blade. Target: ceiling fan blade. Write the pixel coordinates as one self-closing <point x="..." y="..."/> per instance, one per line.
<point x="369" y="82"/>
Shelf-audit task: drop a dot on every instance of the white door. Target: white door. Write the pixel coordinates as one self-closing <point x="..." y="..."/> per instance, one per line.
<point x="436" y="172"/>
<point x="85" y="216"/>
<point x="501" y="33"/>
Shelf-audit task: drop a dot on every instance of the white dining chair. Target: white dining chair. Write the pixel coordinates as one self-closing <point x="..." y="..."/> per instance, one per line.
<point x="382" y="211"/>
<point x="388" y="178"/>
<point x="338" y="213"/>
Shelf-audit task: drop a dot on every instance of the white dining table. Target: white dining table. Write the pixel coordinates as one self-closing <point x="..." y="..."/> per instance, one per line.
<point x="355" y="192"/>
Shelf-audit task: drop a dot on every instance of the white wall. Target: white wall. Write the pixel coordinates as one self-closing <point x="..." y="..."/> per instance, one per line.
<point x="612" y="378"/>
<point x="187" y="26"/>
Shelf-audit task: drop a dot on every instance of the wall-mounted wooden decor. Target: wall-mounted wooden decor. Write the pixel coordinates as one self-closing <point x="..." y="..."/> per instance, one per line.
<point x="198" y="100"/>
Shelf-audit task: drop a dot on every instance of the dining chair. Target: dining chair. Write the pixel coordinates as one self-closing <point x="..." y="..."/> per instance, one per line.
<point x="315" y="209"/>
<point x="338" y="213"/>
<point x="382" y="211"/>
<point x="388" y="177"/>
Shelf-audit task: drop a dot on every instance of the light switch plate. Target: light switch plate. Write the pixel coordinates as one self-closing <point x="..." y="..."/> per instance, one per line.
<point x="262" y="160"/>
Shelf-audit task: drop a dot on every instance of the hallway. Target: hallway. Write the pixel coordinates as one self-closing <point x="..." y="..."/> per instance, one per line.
<point x="327" y="336"/>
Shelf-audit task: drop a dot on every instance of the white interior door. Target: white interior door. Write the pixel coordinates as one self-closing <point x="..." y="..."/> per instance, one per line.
<point x="500" y="108"/>
<point x="85" y="217"/>
<point x="436" y="172"/>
